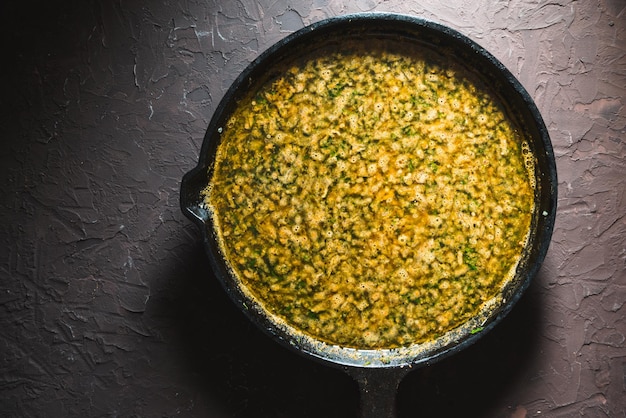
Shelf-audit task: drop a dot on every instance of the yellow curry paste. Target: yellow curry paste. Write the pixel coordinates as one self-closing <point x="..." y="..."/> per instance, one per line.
<point x="372" y="198"/>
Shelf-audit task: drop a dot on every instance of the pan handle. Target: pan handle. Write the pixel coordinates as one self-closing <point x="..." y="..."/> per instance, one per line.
<point x="191" y="195"/>
<point x="378" y="388"/>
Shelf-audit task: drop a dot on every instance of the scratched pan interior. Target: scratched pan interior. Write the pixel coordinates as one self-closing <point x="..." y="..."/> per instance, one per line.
<point x="333" y="33"/>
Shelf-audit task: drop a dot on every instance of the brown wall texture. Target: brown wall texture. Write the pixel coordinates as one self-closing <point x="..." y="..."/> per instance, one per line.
<point x="107" y="304"/>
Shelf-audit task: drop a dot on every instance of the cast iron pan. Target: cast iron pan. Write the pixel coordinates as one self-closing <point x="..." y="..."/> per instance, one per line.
<point x="380" y="371"/>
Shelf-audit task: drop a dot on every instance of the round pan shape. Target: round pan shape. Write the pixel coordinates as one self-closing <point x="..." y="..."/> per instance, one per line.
<point x="380" y="370"/>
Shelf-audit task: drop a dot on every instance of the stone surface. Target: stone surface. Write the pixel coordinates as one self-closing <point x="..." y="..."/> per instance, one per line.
<point x="107" y="305"/>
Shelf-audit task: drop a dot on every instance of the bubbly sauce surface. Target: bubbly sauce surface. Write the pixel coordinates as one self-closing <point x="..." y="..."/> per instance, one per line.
<point x="372" y="198"/>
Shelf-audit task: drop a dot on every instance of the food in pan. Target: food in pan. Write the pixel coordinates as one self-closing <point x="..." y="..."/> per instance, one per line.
<point x="373" y="197"/>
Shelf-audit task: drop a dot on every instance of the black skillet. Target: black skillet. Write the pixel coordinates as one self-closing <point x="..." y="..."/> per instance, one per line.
<point x="379" y="372"/>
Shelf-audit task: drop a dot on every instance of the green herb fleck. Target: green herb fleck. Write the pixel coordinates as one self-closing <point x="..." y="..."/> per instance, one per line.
<point x="470" y="257"/>
<point x="476" y="330"/>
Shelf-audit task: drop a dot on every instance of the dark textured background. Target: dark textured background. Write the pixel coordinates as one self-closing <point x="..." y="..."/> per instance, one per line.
<point x="107" y="305"/>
